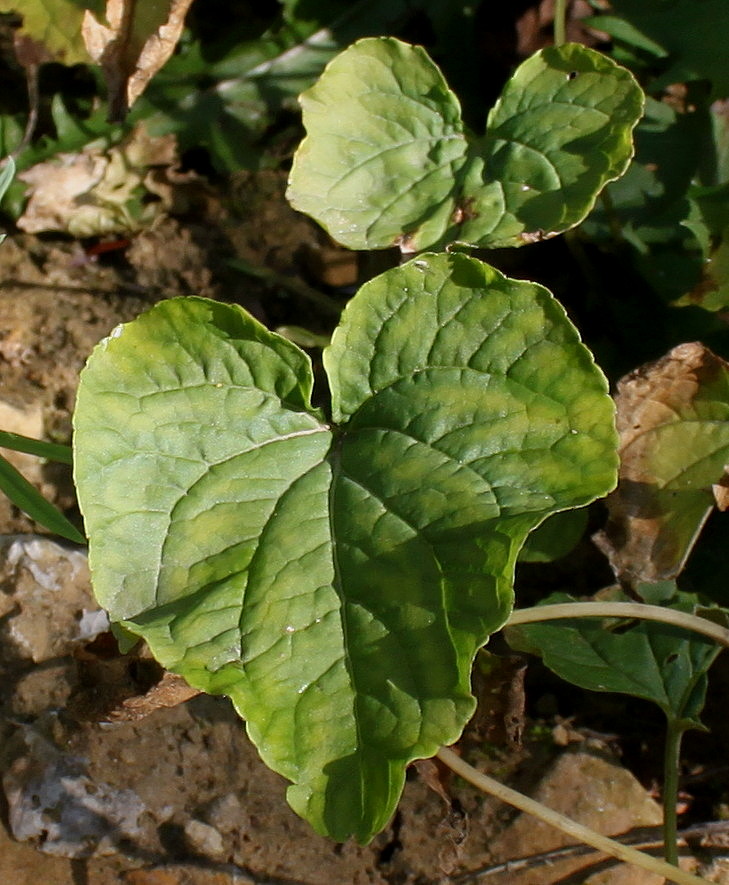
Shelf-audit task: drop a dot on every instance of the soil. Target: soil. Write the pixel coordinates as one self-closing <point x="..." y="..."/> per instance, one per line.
<point x="190" y="800"/>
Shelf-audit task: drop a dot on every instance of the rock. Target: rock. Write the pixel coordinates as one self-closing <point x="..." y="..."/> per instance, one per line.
<point x="225" y="813"/>
<point x="204" y="839"/>
<point x="593" y="790"/>
<point x="717" y="871"/>
<point x="43" y="688"/>
<point x="21" y="864"/>
<point x="53" y="802"/>
<point x="47" y="599"/>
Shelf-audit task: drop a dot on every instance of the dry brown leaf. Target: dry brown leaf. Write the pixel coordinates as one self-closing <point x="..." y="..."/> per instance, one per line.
<point x="136" y="39"/>
<point x="720" y="491"/>
<point x="97" y="191"/>
<point x="170" y="691"/>
<point x="673" y="421"/>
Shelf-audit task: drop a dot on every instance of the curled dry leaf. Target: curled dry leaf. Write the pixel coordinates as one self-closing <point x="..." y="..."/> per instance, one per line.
<point x="170" y="691"/>
<point x="673" y="420"/>
<point x="133" y="43"/>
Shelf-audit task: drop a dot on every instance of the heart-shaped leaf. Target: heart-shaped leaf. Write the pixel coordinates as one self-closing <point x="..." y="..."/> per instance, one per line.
<point x="336" y="580"/>
<point x="386" y="160"/>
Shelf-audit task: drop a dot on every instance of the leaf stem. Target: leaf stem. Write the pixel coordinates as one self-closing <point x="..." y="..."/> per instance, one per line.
<point x="671" y="762"/>
<point x="620" y="610"/>
<point x="560" y="27"/>
<point x="564" y="824"/>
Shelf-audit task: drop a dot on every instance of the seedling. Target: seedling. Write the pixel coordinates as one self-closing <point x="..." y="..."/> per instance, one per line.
<point x="335" y="570"/>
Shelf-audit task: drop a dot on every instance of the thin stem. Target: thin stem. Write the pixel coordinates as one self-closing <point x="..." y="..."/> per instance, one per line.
<point x="31" y="79"/>
<point x="671" y="761"/>
<point x="613" y="221"/>
<point x="560" y="26"/>
<point x="620" y="610"/>
<point x="564" y="824"/>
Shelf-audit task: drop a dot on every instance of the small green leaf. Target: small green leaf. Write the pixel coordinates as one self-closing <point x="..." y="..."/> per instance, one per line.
<point x="30" y="501"/>
<point x="693" y="34"/>
<point x="656" y="662"/>
<point x="336" y="580"/>
<point x="555" y="537"/>
<point x="386" y="160"/>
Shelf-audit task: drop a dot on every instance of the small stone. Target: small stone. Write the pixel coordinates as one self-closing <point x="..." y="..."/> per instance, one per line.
<point x="48" y="589"/>
<point x="593" y="790"/>
<point x="225" y="813"/>
<point x="42" y="689"/>
<point x="53" y="802"/>
<point x="204" y="839"/>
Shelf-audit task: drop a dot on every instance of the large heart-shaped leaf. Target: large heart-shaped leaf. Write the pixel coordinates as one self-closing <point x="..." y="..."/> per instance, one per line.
<point x="386" y="160"/>
<point x="336" y="579"/>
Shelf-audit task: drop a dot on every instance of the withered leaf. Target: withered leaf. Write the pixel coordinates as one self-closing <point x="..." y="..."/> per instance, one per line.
<point x="132" y="43"/>
<point x="99" y="190"/>
<point x="673" y="420"/>
<point x="720" y="491"/>
<point x="170" y="691"/>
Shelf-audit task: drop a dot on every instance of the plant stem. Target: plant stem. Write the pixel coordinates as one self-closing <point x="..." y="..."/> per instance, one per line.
<point x="671" y="761"/>
<point x="564" y="824"/>
<point x="560" y="27"/>
<point x="620" y="610"/>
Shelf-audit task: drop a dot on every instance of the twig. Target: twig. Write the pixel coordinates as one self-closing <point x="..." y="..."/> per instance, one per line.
<point x="560" y="26"/>
<point x="714" y="834"/>
<point x="620" y="610"/>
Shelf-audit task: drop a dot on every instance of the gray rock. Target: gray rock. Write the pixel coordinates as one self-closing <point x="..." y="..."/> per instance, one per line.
<point x="53" y="802"/>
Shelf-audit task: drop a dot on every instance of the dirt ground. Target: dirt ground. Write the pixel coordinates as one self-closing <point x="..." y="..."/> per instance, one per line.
<point x="180" y="795"/>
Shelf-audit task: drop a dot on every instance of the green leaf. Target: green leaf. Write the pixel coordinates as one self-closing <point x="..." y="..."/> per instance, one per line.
<point x="386" y="160"/>
<point x="30" y="501"/>
<point x="56" y="24"/>
<point x="256" y="76"/>
<point x="708" y="220"/>
<point x="336" y="579"/>
<point x="692" y="33"/>
<point x="6" y="176"/>
<point x="656" y="662"/>
<point x="555" y="537"/>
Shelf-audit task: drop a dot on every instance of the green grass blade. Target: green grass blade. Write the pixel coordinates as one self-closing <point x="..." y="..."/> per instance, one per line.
<point x="51" y="451"/>
<point x="31" y="502"/>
